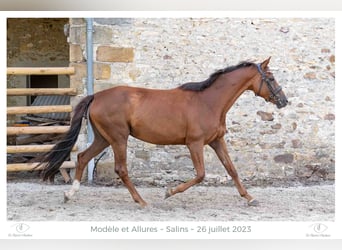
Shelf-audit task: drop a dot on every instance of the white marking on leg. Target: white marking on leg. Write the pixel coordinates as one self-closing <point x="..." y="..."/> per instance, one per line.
<point x="75" y="187"/>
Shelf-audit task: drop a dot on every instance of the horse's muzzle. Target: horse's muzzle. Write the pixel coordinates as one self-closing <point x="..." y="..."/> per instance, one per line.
<point x="281" y="102"/>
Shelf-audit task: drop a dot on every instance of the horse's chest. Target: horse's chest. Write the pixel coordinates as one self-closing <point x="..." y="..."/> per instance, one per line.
<point x="215" y="133"/>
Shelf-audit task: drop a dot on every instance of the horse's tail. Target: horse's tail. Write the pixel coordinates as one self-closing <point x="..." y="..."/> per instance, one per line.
<point x="60" y="152"/>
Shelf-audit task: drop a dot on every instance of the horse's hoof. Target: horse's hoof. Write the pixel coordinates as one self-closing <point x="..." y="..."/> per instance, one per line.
<point x="66" y="197"/>
<point x="168" y="193"/>
<point x="143" y="204"/>
<point x="253" y="203"/>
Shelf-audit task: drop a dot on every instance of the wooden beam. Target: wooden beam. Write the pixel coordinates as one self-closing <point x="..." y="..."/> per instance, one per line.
<point x="65" y="175"/>
<point x="31" y="149"/>
<point x="37" y="130"/>
<point x="40" y="70"/>
<point x="41" y="91"/>
<point x="38" y="109"/>
<point x="31" y="166"/>
<point x="37" y="139"/>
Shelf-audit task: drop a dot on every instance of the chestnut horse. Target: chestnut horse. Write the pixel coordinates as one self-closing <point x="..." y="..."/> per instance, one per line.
<point x="193" y="114"/>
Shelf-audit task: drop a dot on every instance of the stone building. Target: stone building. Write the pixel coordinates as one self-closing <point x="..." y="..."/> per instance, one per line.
<point x="267" y="145"/>
<point x="35" y="42"/>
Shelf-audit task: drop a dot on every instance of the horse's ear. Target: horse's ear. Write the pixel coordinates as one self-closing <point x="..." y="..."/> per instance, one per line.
<point x="265" y="63"/>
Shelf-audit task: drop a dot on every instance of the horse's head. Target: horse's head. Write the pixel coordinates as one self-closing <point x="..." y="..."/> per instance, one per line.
<point x="267" y="87"/>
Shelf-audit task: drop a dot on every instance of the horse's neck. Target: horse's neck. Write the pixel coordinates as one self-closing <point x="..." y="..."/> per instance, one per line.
<point x="226" y="90"/>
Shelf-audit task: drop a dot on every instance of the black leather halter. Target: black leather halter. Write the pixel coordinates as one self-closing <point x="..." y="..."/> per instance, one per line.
<point x="270" y="84"/>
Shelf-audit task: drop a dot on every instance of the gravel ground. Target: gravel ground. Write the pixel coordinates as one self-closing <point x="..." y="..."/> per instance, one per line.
<point x="40" y="202"/>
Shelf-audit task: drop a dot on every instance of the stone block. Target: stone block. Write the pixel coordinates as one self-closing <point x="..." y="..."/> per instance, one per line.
<point x="134" y="74"/>
<point x="102" y="71"/>
<point x="78" y="79"/>
<point x="80" y="70"/>
<point x="76" y="54"/>
<point x="284" y="158"/>
<point x="142" y="154"/>
<point x="329" y="117"/>
<point x="114" y="21"/>
<point x="265" y="116"/>
<point x="114" y="54"/>
<point x="105" y="172"/>
<point x="103" y="35"/>
<point x="78" y="34"/>
<point x="77" y="21"/>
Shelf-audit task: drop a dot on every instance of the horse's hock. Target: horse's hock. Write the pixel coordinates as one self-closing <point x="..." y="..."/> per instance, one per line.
<point x="267" y="145"/>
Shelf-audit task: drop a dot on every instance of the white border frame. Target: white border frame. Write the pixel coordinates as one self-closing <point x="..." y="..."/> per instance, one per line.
<point x="260" y="230"/>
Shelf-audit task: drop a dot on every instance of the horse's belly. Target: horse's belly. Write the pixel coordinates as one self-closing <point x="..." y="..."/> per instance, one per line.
<point x="162" y="135"/>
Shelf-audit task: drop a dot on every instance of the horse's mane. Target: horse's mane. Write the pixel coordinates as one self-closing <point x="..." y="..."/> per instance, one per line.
<point x="200" y="86"/>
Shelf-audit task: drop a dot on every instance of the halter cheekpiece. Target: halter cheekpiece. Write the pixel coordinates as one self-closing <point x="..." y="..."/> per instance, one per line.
<point x="274" y="92"/>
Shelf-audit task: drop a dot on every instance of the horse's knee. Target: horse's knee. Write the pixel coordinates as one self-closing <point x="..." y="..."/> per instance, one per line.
<point x="80" y="161"/>
<point x="121" y="171"/>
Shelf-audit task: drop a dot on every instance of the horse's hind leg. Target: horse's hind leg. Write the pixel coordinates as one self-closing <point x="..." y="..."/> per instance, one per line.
<point x="220" y="148"/>
<point x="120" y="152"/>
<point x="82" y="160"/>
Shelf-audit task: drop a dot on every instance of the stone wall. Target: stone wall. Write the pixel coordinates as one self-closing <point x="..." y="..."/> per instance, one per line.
<point x="267" y="145"/>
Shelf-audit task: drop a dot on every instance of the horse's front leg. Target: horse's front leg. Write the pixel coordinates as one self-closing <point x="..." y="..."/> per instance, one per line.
<point x="196" y="151"/>
<point x="220" y="147"/>
<point x="121" y="169"/>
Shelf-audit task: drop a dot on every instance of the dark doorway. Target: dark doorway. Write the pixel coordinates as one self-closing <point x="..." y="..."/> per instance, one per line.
<point x="41" y="81"/>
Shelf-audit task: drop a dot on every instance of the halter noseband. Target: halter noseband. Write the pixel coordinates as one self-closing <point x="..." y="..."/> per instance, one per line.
<point x="274" y="92"/>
